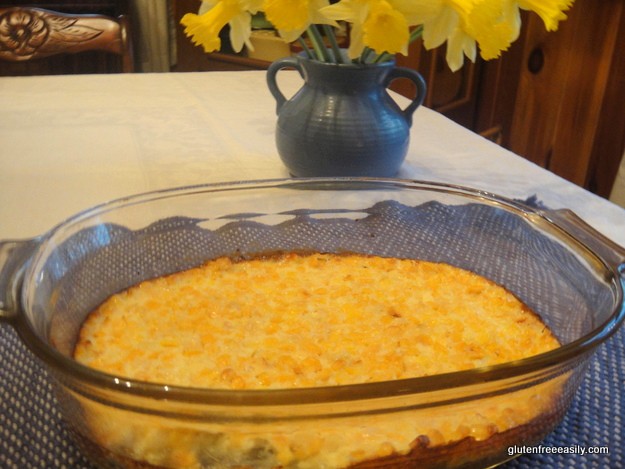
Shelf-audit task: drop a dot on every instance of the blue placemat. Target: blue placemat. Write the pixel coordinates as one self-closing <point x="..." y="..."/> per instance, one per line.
<point x="595" y="420"/>
<point x="33" y="435"/>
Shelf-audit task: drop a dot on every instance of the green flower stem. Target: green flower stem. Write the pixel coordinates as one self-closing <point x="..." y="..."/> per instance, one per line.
<point x="317" y="41"/>
<point x="307" y="51"/>
<point x="329" y="32"/>
<point x="384" y="57"/>
<point x="416" y="34"/>
<point x="367" y="55"/>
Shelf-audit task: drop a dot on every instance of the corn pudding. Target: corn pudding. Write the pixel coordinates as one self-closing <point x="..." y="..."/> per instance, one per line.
<point x="306" y="320"/>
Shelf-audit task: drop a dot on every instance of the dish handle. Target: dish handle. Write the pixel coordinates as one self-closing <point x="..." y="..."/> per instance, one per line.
<point x="611" y="252"/>
<point x="14" y="257"/>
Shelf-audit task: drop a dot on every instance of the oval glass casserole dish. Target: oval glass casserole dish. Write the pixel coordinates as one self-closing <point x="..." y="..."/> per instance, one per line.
<point x="566" y="273"/>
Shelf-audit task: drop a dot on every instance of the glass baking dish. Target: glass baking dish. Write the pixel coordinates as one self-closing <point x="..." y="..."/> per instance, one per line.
<point x="567" y="273"/>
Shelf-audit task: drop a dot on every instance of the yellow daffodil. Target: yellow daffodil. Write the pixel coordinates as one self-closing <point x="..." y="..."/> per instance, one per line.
<point x="354" y="12"/>
<point x="446" y="21"/>
<point x="386" y="29"/>
<point x="204" y="29"/>
<point x="382" y="25"/>
<point x="292" y="17"/>
<point x="496" y="24"/>
<point x="491" y="24"/>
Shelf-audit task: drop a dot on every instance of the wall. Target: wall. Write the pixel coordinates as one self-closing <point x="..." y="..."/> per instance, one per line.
<point x="618" y="190"/>
<point x="568" y="115"/>
<point x="154" y="37"/>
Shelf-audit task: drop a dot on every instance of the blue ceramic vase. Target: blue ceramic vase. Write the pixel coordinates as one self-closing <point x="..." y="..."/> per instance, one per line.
<point x="343" y="122"/>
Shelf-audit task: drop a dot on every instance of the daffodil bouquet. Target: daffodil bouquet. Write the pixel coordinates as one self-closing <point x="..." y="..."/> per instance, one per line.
<point x="379" y="29"/>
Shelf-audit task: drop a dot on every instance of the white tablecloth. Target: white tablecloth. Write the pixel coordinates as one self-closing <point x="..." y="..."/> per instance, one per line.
<point x="70" y="142"/>
<point x="67" y="143"/>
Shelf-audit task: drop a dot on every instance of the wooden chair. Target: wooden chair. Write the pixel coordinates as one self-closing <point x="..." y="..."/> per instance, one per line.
<point x="28" y="34"/>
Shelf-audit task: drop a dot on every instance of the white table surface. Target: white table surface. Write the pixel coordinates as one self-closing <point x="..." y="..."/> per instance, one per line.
<point x="70" y="142"/>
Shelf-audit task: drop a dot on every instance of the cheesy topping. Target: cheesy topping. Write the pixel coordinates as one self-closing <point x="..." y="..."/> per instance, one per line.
<point x="308" y="320"/>
<point x="296" y="320"/>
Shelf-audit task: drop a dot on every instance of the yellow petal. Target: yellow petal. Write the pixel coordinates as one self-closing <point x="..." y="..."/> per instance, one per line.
<point x="550" y="11"/>
<point x="356" y="42"/>
<point x="345" y="10"/>
<point x="355" y="12"/>
<point x="292" y="17"/>
<point x="492" y="26"/>
<point x="460" y="45"/>
<point x="436" y="31"/>
<point x="386" y="29"/>
<point x="201" y="32"/>
<point x="240" y="31"/>
<point x="417" y="11"/>
<point x="287" y="15"/>
<point x="463" y="7"/>
<point x="204" y="29"/>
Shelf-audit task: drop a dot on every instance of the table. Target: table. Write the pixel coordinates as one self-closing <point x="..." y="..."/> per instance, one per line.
<point x="70" y="142"/>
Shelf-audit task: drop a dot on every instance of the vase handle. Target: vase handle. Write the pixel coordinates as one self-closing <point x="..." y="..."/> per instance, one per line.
<point x="272" y="71"/>
<point x="417" y="79"/>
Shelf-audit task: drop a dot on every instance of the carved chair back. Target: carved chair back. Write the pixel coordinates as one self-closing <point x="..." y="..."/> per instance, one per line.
<point x="33" y="33"/>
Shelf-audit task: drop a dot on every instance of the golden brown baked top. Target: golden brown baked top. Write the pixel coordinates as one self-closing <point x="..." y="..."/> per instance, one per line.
<point x="297" y="320"/>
